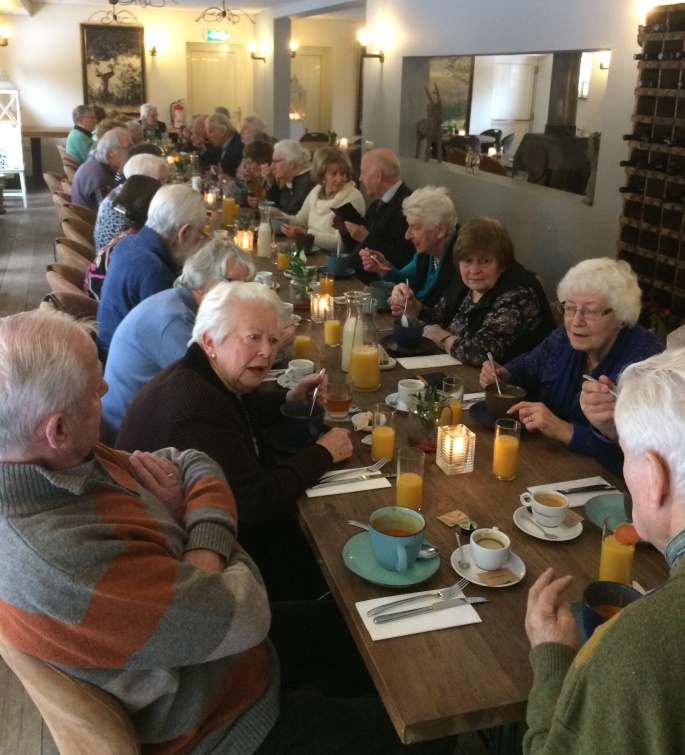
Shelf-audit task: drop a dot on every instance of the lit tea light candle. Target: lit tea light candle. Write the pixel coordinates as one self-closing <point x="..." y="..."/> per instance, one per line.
<point x="319" y="304"/>
<point x="456" y="449"/>
<point x="171" y="159"/>
<point x="343" y="143"/>
<point x="244" y="240"/>
<point x="210" y="200"/>
<point x="461" y="132"/>
<point x="492" y="151"/>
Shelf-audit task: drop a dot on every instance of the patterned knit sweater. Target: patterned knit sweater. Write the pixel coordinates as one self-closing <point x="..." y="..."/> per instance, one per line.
<point x="91" y="580"/>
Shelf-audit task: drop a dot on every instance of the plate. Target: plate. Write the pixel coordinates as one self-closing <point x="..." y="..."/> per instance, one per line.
<point x="355" y="417"/>
<point x="480" y="412"/>
<point x="348" y="273"/>
<point x="390" y="364"/>
<point x="562" y="532"/>
<point x="424" y="346"/>
<point x="514" y="563"/>
<point x="358" y="558"/>
<point x="392" y="399"/>
<point x="366" y="440"/>
<point x="285" y="382"/>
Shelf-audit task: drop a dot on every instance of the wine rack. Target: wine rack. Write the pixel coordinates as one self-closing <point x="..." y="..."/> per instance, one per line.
<point x="652" y="226"/>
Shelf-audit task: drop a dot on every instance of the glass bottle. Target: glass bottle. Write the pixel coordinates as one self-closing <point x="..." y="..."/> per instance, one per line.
<point x="364" y="364"/>
<point x="264" y="237"/>
<point x="352" y="329"/>
<point x="195" y="174"/>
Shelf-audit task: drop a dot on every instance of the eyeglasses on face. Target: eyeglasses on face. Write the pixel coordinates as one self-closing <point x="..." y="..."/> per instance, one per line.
<point x="587" y="313"/>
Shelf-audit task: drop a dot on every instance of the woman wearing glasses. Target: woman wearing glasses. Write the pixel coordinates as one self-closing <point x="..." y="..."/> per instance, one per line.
<point x="600" y="303"/>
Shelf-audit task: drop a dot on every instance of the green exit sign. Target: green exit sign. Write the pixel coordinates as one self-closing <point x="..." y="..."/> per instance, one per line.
<point x="216" y="35"/>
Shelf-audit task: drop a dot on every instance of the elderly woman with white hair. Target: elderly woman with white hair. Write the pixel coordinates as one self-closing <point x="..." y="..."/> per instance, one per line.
<point x="600" y="301"/>
<point x="212" y="400"/>
<point x="98" y="175"/>
<point x="432" y="228"/>
<point x="149" y="120"/>
<point x="288" y="178"/>
<point x="157" y="331"/>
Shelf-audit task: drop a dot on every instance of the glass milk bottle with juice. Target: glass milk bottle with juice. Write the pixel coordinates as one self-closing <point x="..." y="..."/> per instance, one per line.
<point x="364" y="363"/>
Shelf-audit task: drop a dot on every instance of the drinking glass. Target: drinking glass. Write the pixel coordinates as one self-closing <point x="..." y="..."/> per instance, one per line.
<point x="326" y="284"/>
<point x="616" y="559"/>
<point x="410" y="463"/>
<point x="505" y="452"/>
<point x="332" y="324"/>
<point x="454" y="388"/>
<point x="383" y="433"/>
<point x="339" y="395"/>
<point x="302" y="345"/>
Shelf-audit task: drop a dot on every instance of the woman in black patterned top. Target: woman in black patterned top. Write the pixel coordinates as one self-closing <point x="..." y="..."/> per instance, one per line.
<point x="494" y="305"/>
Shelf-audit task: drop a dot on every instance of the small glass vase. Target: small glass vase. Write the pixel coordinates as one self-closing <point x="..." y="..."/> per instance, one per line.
<point x="425" y="417"/>
<point x="301" y="290"/>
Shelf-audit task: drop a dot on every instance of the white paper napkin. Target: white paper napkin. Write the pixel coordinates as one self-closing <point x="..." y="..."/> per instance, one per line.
<point x="575" y="499"/>
<point x="348" y="487"/>
<point x="425" y="622"/>
<point x="472" y="398"/>
<point x="420" y="363"/>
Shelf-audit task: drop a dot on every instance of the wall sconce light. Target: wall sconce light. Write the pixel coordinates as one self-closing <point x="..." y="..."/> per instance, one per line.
<point x="4" y="36"/>
<point x="362" y="37"/>
<point x="153" y="51"/>
<point x="604" y="60"/>
<point x="294" y="44"/>
<point x="252" y="47"/>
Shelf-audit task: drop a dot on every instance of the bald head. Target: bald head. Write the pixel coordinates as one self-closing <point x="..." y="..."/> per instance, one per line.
<point x="380" y="169"/>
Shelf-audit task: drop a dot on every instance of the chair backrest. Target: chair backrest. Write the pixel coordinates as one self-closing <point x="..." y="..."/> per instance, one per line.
<point x="63" y="277"/>
<point x="70" y="170"/>
<point x="462" y="142"/>
<point x="82" y="719"/>
<point x="72" y="162"/>
<point x="80" y="306"/>
<point x="66" y="185"/>
<point x="556" y="314"/>
<point x="507" y="142"/>
<point x="82" y="224"/>
<point x="53" y="180"/>
<point x="84" y="213"/>
<point x="60" y="198"/>
<point x="314" y="136"/>
<point x="83" y="249"/>
<point x="492" y="165"/>
<point x="62" y="151"/>
<point x="75" y="228"/>
<point x="455" y="155"/>
<point x="495" y="133"/>
<point x="68" y="256"/>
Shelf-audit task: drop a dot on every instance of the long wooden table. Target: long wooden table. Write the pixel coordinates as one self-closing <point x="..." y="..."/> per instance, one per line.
<point x="476" y="676"/>
<point x="35" y="134"/>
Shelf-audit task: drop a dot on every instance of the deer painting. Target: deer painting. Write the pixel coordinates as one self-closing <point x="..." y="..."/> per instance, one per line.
<point x="103" y="86"/>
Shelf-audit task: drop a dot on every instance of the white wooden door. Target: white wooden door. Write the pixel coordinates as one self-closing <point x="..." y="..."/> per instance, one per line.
<point x="312" y="68"/>
<point x="217" y="77"/>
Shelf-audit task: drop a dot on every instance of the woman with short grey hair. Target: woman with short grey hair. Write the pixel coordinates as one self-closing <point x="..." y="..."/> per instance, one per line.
<point x="149" y="120"/>
<point x="212" y="400"/>
<point x="157" y="331"/>
<point x="288" y="177"/>
<point x="600" y="304"/>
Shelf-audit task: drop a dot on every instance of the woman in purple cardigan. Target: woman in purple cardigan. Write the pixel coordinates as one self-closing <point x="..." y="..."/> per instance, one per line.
<point x="600" y="301"/>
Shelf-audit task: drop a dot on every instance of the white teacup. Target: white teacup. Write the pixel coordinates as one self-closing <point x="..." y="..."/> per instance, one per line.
<point x="298" y="368"/>
<point x="264" y="278"/>
<point x="490" y="548"/>
<point x="286" y="311"/>
<point x="548" y="507"/>
<point x="408" y="387"/>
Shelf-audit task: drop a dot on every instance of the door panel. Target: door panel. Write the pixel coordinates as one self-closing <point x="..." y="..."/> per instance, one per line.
<point x="216" y="77"/>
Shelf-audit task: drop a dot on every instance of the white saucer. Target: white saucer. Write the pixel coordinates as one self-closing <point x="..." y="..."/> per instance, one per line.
<point x="366" y="429"/>
<point x="514" y="563"/>
<point x="391" y="363"/>
<point x="366" y="440"/>
<point x="563" y="532"/>
<point x="392" y="399"/>
<point x="285" y="382"/>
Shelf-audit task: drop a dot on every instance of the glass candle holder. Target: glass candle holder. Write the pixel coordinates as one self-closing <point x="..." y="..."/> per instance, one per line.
<point x="318" y="307"/>
<point x="456" y="449"/>
<point x="244" y="240"/>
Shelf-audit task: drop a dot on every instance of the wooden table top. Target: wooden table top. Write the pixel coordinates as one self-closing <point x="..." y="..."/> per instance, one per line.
<point x="45" y="132"/>
<point x="476" y="676"/>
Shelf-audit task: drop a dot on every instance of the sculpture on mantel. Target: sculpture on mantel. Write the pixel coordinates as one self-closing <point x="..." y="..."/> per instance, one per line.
<point x="430" y="128"/>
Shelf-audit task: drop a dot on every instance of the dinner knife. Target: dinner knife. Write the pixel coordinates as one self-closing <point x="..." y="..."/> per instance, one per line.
<point x="437" y="606"/>
<point x="345" y="480"/>
<point x="586" y="489"/>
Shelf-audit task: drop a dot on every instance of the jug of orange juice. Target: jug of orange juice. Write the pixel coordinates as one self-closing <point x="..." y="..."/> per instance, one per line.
<point x="364" y="357"/>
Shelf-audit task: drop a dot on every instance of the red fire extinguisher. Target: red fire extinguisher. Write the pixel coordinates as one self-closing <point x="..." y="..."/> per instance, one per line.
<point x="177" y="110"/>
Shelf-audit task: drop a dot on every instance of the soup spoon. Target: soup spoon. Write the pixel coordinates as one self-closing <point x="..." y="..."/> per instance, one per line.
<point x="428" y="550"/>
<point x="494" y="369"/>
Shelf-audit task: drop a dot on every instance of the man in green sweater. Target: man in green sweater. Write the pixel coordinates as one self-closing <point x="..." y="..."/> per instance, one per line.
<point x="620" y="693"/>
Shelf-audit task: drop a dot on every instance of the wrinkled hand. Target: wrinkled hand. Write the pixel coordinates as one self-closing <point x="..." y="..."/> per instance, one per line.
<point x="292" y="230"/>
<point x="209" y="561"/>
<point x="358" y="232"/>
<point x="598" y="405"/>
<point x="401" y="294"/>
<point x="305" y="388"/>
<point x="536" y="416"/>
<point x="548" y="619"/>
<point x="487" y="374"/>
<point x="287" y="334"/>
<point x="268" y="174"/>
<point x="338" y="223"/>
<point x="162" y="478"/>
<point x="338" y="444"/>
<point x="435" y="333"/>
<point x="374" y="262"/>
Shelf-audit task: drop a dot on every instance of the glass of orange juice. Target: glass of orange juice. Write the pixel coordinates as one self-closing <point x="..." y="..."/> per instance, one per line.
<point x="326" y="284"/>
<point x="616" y="559"/>
<point x="383" y="433"/>
<point x="454" y="388"/>
<point x="302" y="345"/>
<point x="332" y="329"/>
<point x="507" y="435"/>
<point x="410" y="463"/>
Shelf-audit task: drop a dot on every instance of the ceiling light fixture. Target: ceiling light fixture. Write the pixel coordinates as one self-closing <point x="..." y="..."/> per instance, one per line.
<point x="215" y="14"/>
<point x="124" y="17"/>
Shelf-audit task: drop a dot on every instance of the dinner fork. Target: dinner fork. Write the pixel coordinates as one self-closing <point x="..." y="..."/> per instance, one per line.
<point x="351" y="472"/>
<point x="445" y="594"/>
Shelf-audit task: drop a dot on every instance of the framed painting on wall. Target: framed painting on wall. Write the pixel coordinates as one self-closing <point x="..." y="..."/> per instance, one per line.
<point x="113" y="65"/>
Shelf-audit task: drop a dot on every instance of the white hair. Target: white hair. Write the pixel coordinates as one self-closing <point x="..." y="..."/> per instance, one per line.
<point x="147" y="165"/>
<point x="40" y="373"/>
<point x="136" y="131"/>
<point x="218" y="313"/>
<point x="146" y="109"/>
<point x="650" y="410"/>
<point x="220" y="120"/>
<point x="110" y="140"/>
<point x="255" y="122"/>
<point x="431" y="206"/>
<point x="611" y="281"/>
<point x="173" y="206"/>
<point x="293" y="152"/>
<point x="208" y="265"/>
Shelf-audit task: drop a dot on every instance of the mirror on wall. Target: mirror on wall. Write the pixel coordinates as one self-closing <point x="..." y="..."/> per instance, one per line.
<point x="538" y="111"/>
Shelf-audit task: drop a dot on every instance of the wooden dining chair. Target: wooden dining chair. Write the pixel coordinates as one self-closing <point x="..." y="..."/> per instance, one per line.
<point x="462" y="142"/>
<point x="67" y="256"/>
<point x="60" y="198"/>
<point x="53" y="180"/>
<point x="86" y="214"/>
<point x="65" y="278"/>
<point x="70" y="170"/>
<point x="79" y="306"/>
<point x="455" y="156"/>
<point x="492" y="165"/>
<point x="87" y="252"/>
<point x="66" y="185"/>
<point x="82" y="718"/>
<point x="75" y="228"/>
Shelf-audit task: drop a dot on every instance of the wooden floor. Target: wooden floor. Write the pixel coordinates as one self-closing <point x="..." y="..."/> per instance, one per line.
<point x="26" y="238"/>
